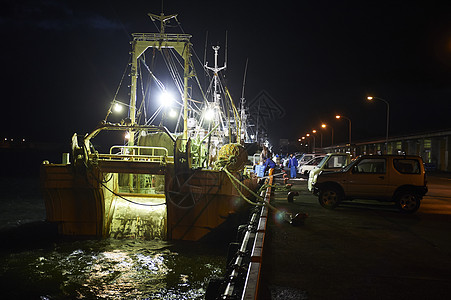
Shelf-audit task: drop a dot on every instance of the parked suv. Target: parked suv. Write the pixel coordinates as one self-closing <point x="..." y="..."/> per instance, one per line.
<point x="395" y="178"/>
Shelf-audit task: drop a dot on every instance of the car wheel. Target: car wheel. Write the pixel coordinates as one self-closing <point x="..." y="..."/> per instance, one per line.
<point x="329" y="198"/>
<point x="408" y="202"/>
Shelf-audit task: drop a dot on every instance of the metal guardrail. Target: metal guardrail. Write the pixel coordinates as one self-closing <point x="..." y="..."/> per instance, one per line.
<point x="139" y="148"/>
<point x="134" y="153"/>
<point x="251" y="286"/>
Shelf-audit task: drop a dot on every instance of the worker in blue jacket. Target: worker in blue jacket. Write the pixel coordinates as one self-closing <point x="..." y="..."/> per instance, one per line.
<point x="269" y="164"/>
<point x="292" y="164"/>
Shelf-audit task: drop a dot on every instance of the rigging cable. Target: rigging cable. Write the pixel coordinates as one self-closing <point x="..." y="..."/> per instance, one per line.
<point x="118" y="88"/>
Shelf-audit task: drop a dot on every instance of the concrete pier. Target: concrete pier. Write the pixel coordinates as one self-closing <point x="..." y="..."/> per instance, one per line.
<point x="361" y="250"/>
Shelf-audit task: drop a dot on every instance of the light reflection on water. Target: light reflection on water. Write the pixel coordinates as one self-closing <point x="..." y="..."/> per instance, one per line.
<point x="111" y="269"/>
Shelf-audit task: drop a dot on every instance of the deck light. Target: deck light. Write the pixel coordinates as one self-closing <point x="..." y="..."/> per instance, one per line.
<point x="172" y="113"/>
<point x="166" y="98"/>
<point x="117" y="107"/>
<point x="209" y="114"/>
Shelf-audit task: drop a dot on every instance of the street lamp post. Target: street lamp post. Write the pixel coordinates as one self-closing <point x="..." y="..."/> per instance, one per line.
<point x="388" y="118"/>
<point x="313" y="148"/>
<point x="349" y="120"/>
<point x="314" y="140"/>
<point x="331" y="129"/>
<point x="303" y="138"/>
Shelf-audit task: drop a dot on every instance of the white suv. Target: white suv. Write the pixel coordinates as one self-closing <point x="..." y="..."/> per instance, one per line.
<point x="331" y="162"/>
<point x="310" y="165"/>
<point x="304" y="158"/>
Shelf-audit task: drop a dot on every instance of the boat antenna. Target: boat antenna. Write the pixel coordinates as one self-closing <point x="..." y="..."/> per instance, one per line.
<point x="162" y="18"/>
<point x="206" y="74"/>
<point x="225" y="60"/>
<point x="205" y="48"/>
<point x="244" y="79"/>
<point x="242" y="109"/>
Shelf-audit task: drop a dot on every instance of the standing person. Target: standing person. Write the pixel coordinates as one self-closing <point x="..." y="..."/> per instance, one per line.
<point x="269" y="164"/>
<point x="292" y="164"/>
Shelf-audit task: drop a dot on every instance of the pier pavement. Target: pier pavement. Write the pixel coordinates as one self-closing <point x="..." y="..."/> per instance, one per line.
<point x="361" y="250"/>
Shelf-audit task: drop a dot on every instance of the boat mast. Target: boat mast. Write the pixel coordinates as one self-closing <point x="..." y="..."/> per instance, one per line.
<point x="216" y="95"/>
<point x="141" y="42"/>
<point x="243" y="119"/>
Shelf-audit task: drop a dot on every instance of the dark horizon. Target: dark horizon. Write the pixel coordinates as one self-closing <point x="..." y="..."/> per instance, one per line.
<point x="64" y="60"/>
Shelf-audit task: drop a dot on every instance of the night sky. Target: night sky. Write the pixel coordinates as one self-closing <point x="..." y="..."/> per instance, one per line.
<point x="62" y="61"/>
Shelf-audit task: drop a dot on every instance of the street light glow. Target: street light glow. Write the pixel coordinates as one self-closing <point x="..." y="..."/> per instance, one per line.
<point x="369" y="98"/>
<point x="338" y="116"/>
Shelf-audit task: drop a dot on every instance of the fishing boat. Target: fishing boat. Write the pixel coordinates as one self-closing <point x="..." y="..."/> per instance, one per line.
<point x="154" y="183"/>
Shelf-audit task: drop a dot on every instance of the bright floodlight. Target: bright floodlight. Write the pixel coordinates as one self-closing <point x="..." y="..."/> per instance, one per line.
<point x="338" y="116"/>
<point x="172" y="113"/>
<point x="369" y="98"/>
<point x="209" y="114"/>
<point x="323" y="125"/>
<point x="166" y="98"/>
<point x="117" y="107"/>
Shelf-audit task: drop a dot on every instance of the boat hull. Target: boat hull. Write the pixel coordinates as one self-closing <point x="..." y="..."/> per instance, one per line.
<point x="193" y="205"/>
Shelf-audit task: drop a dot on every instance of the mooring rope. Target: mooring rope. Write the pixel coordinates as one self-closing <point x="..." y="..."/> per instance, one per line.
<point x="223" y="165"/>
<point x="260" y="198"/>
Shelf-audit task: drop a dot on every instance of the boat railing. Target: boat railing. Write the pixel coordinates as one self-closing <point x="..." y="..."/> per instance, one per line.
<point x="138" y="153"/>
<point x="164" y="37"/>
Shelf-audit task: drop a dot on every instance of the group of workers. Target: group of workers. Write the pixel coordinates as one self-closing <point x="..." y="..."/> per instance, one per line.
<point x="292" y="164"/>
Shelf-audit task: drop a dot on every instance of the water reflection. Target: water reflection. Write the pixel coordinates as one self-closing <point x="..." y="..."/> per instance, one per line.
<point x="111" y="269"/>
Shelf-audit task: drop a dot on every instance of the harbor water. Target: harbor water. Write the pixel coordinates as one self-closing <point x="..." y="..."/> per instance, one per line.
<point x="37" y="264"/>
